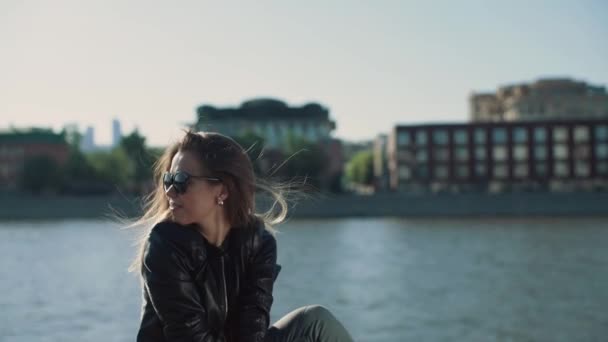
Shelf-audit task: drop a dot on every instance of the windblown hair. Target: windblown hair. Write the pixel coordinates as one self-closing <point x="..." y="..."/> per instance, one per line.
<point x="221" y="157"/>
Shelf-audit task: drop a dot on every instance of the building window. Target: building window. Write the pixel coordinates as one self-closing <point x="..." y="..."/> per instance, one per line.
<point x="480" y="170"/>
<point x="4" y="171"/>
<point x="461" y="137"/>
<point x="440" y="137"/>
<point x="441" y="154"/>
<point x="462" y="154"/>
<point x="601" y="132"/>
<point x="441" y="172"/>
<point x="520" y="135"/>
<point x="480" y="153"/>
<point x="421" y="138"/>
<point x="500" y="171"/>
<point x="540" y="134"/>
<point x="560" y="169"/>
<point x="540" y="152"/>
<point x="582" y="151"/>
<point x="480" y="136"/>
<point x="560" y="151"/>
<point x="404" y="155"/>
<point x="421" y="171"/>
<point x="601" y="150"/>
<point x="560" y="134"/>
<point x="581" y="134"/>
<point x="404" y="172"/>
<point x="520" y="152"/>
<point x="403" y="138"/>
<point x="499" y="153"/>
<point x="313" y="133"/>
<point x="540" y="168"/>
<point x="520" y="170"/>
<point x="422" y="156"/>
<point x="499" y="135"/>
<point x="581" y="169"/>
<point x="462" y="171"/>
<point x="602" y="168"/>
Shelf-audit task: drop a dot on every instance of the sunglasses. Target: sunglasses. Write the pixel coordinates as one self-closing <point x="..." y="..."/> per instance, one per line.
<point x="180" y="180"/>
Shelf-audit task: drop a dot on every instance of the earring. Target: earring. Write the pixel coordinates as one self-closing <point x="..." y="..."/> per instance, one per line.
<point x="220" y="201"/>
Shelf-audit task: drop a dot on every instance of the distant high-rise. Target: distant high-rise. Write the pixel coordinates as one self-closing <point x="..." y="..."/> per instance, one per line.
<point x="116" y="132"/>
<point x="88" y="140"/>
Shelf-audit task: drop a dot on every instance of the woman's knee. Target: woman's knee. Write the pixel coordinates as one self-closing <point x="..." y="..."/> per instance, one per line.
<point x="317" y="313"/>
<point x="323" y="325"/>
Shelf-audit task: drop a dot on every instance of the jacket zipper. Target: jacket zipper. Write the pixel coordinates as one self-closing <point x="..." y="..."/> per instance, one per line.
<point x="224" y="284"/>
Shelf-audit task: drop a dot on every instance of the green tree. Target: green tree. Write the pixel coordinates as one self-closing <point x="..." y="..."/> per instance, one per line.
<point x="360" y="169"/>
<point x="40" y="173"/>
<point x="134" y="145"/>
<point x="72" y="136"/>
<point x="114" y="167"/>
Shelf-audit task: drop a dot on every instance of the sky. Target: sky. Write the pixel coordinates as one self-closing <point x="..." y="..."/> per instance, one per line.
<point x="373" y="64"/>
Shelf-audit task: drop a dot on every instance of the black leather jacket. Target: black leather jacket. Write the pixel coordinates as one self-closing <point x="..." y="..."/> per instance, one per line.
<point x="195" y="291"/>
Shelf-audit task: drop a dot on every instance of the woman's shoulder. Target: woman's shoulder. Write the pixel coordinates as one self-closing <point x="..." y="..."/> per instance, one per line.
<point x="172" y="251"/>
<point x="261" y="236"/>
<point x="177" y="238"/>
<point x="256" y="231"/>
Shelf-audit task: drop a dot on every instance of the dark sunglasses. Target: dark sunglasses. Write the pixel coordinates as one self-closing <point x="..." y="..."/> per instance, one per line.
<point x="180" y="180"/>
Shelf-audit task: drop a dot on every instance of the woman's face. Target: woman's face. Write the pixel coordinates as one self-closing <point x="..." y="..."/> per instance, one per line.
<point x="200" y="200"/>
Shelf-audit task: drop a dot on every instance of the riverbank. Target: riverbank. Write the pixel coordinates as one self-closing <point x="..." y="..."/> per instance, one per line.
<point x="21" y="207"/>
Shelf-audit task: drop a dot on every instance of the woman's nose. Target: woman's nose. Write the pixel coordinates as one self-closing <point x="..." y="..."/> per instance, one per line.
<point x="171" y="193"/>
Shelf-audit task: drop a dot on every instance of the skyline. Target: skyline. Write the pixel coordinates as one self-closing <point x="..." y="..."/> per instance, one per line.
<point x="402" y="63"/>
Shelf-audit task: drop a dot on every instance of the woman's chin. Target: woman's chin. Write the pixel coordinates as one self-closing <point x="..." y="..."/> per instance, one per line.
<point x="181" y="219"/>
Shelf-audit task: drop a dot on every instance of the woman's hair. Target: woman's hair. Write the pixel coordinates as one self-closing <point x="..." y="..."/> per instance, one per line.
<point x="222" y="157"/>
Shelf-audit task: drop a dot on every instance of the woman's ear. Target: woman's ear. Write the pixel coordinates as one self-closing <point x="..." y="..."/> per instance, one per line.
<point x="223" y="193"/>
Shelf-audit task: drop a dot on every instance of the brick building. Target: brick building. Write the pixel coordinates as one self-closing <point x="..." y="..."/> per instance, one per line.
<point x="554" y="155"/>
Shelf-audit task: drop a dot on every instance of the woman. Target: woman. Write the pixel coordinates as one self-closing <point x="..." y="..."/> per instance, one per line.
<point x="208" y="262"/>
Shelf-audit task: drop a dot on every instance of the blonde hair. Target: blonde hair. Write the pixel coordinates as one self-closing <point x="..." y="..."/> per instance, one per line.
<point x="223" y="158"/>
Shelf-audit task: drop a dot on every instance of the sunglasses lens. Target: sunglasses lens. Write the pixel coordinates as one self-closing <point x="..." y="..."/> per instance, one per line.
<point x="167" y="180"/>
<point x="178" y="180"/>
<point x="180" y="177"/>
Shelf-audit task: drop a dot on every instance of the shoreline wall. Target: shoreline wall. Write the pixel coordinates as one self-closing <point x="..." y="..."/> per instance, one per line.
<point x="24" y="207"/>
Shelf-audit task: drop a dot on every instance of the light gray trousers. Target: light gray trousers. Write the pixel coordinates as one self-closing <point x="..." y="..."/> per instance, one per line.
<point x="313" y="323"/>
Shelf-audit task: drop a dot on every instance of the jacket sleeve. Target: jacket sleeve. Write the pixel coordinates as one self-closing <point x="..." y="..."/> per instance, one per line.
<point x="166" y="272"/>
<point x="255" y="297"/>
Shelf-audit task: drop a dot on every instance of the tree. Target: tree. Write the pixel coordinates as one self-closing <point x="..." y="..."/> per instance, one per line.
<point x="40" y="173"/>
<point x="114" y="168"/>
<point x="360" y="169"/>
<point x="134" y="145"/>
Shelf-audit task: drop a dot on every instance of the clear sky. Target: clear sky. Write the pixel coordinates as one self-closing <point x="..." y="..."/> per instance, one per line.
<point x="374" y="64"/>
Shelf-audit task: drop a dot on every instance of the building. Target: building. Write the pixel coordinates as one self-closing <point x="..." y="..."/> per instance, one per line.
<point x="88" y="140"/>
<point x="332" y="179"/>
<point x="268" y="118"/>
<point x="545" y="99"/>
<point x="116" y="133"/>
<point x="17" y="147"/>
<point x="554" y="155"/>
<point x="381" y="174"/>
